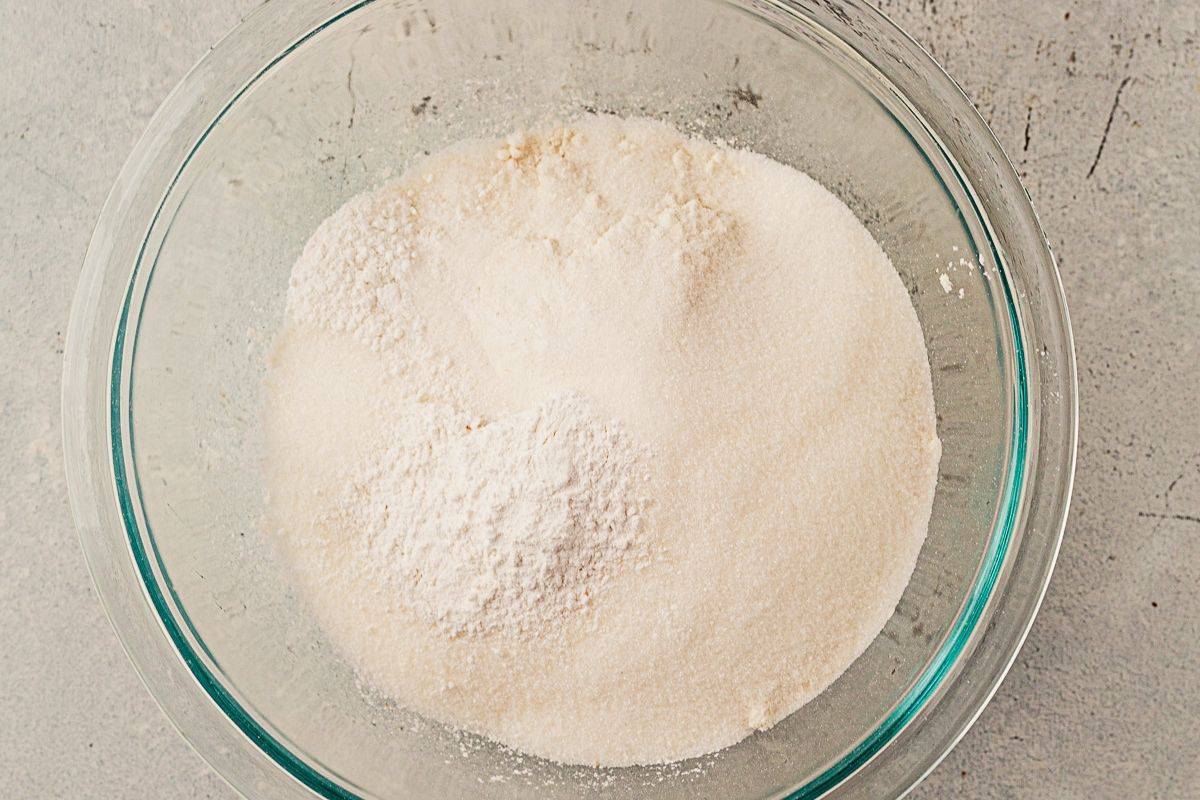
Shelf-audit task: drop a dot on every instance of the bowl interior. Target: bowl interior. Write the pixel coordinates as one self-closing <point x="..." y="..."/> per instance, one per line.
<point x="355" y="100"/>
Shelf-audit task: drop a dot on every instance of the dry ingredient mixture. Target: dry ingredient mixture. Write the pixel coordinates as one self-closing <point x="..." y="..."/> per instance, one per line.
<point x="607" y="443"/>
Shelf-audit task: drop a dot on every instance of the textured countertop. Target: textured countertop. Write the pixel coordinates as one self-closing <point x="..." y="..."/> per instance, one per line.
<point x="1098" y="104"/>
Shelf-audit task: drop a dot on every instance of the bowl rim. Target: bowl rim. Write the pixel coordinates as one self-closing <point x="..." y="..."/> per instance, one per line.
<point x="96" y="359"/>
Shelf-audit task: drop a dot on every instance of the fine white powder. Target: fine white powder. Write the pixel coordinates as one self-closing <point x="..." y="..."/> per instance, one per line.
<point x="509" y="525"/>
<point x="607" y="443"/>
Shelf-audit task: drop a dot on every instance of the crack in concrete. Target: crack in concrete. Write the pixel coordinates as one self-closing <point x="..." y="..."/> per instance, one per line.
<point x="1180" y="517"/>
<point x="1028" y="122"/>
<point x="350" y="89"/>
<point x="1112" y="112"/>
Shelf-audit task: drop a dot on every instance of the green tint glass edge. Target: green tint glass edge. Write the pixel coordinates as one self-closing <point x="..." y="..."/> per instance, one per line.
<point x="209" y="682"/>
<point x="1008" y="508"/>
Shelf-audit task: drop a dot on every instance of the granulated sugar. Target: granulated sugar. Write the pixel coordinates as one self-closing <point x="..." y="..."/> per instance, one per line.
<point x="608" y="444"/>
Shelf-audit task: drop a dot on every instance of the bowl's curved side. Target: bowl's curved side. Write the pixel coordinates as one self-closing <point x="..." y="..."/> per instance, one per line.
<point x="89" y="403"/>
<point x="1025" y="263"/>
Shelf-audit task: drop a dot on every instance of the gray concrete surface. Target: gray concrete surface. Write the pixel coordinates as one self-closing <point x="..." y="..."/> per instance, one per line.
<point x="1099" y="105"/>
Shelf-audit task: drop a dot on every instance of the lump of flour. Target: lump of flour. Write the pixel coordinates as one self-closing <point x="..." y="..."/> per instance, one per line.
<point x="607" y="443"/>
<point x="507" y="525"/>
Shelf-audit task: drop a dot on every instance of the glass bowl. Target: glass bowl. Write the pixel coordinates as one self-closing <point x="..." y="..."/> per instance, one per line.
<point x="308" y="103"/>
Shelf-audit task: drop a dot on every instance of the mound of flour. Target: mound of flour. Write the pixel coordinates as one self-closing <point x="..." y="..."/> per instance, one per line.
<point x="503" y="526"/>
<point x="607" y="443"/>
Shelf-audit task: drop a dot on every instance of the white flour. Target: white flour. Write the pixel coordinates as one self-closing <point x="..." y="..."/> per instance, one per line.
<point x="606" y="443"/>
<point x="508" y="525"/>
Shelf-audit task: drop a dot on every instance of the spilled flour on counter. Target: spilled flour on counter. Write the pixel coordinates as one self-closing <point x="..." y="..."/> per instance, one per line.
<point x="606" y="443"/>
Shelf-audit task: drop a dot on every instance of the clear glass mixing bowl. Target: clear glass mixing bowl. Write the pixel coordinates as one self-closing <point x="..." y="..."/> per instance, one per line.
<point x="307" y="103"/>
